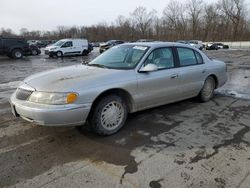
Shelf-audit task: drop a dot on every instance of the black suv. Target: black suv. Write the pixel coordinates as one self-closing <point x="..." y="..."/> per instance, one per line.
<point x="14" y="47"/>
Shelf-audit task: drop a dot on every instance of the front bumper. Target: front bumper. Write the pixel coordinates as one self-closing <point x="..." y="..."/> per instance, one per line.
<point x="50" y="115"/>
<point x="51" y="53"/>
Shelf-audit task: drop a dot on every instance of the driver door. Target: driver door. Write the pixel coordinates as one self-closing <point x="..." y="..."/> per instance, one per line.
<point x="67" y="48"/>
<point x="161" y="86"/>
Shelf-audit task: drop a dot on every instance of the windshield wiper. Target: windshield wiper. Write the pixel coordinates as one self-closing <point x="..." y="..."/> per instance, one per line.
<point x="85" y="62"/>
<point x="96" y="65"/>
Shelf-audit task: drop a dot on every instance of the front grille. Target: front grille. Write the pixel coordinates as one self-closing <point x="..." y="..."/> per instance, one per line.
<point x="23" y="94"/>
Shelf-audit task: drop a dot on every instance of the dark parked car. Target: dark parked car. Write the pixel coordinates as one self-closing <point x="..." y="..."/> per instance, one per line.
<point x="222" y="46"/>
<point x="34" y="50"/>
<point x="95" y="44"/>
<point x="109" y="44"/>
<point x="145" y="40"/>
<point x="14" y="47"/>
<point x="90" y="47"/>
<point x="213" y="46"/>
<point x="43" y="43"/>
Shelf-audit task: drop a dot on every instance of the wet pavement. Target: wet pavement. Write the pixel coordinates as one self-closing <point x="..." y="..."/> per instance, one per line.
<point x="185" y="144"/>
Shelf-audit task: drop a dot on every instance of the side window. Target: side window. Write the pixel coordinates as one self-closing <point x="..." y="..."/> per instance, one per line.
<point x="67" y="44"/>
<point x="162" y="57"/>
<point x="136" y="56"/>
<point x="186" y="56"/>
<point x="198" y="57"/>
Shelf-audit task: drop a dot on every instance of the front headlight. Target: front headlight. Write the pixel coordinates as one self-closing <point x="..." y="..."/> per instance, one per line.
<point x="51" y="49"/>
<point x="52" y="98"/>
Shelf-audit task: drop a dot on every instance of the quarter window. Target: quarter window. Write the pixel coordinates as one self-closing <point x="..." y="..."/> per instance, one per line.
<point x="198" y="57"/>
<point x="162" y="57"/>
<point x="186" y="57"/>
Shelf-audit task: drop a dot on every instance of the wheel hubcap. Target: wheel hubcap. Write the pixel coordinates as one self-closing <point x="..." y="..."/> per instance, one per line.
<point x="112" y="115"/>
<point x="208" y="88"/>
<point x="34" y="52"/>
<point x="18" y="54"/>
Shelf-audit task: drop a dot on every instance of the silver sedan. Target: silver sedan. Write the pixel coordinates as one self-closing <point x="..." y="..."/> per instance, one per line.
<point x="125" y="79"/>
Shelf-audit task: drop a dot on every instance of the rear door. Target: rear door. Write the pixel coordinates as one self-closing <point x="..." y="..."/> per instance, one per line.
<point x="192" y="71"/>
<point x="161" y="86"/>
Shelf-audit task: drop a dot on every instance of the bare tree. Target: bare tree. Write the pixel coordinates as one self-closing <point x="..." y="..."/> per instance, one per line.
<point x="6" y="32"/>
<point x="124" y="29"/>
<point x="210" y="22"/>
<point x="220" y="21"/>
<point x="234" y="10"/>
<point x="194" y="10"/>
<point x="174" y="19"/>
<point x="143" y="20"/>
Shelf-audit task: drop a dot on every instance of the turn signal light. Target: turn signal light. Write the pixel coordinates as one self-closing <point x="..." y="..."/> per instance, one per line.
<point x="71" y="97"/>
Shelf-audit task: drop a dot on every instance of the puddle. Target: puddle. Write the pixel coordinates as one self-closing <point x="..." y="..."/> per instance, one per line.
<point x="238" y="84"/>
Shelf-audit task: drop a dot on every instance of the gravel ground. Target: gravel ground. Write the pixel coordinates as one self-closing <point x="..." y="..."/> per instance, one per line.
<point x="185" y="144"/>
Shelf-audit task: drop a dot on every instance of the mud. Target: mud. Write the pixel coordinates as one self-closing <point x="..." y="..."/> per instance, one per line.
<point x="185" y="144"/>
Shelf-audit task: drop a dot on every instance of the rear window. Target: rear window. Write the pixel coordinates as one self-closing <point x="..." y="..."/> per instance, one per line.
<point x="186" y="56"/>
<point x="198" y="57"/>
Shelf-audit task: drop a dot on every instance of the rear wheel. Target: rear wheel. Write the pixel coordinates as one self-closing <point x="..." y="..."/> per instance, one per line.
<point x="34" y="52"/>
<point x="17" y="54"/>
<point x="109" y="115"/>
<point x="207" y="91"/>
<point x="84" y="52"/>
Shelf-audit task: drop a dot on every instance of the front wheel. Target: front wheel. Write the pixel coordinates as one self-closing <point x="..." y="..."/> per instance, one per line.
<point x="207" y="91"/>
<point x="59" y="54"/>
<point x="109" y="115"/>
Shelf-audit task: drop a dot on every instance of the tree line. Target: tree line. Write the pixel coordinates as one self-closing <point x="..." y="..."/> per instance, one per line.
<point x="224" y="20"/>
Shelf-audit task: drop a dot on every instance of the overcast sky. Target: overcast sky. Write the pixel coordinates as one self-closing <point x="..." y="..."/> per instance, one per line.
<point x="48" y="14"/>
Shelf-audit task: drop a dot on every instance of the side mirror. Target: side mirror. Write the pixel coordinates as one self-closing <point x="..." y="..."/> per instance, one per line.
<point x="149" y="68"/>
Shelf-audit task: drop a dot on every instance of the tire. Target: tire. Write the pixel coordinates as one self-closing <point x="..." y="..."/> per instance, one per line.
<point x="34" y="52"/>
<point x="59" y="54"/>
<point x="207" y="91"/>
<point x="109" y="115"/>
<point x="84" y="52"/>
<point x="17" y="54"/>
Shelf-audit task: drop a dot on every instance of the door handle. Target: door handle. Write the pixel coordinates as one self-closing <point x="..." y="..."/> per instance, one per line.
<point x="174" y="75"/>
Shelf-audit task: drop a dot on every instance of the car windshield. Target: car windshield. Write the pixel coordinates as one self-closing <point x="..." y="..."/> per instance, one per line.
<point x="193" y="42"/>
<point x="59" y="43"/>
<point x="110" y="42"/>
<point x="120" y="57"/>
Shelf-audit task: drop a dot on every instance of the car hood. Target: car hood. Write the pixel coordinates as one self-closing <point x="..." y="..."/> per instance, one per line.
<point x="104" y="45"/>
<point x="49" y="47"/>
<point x="76" y="78"/>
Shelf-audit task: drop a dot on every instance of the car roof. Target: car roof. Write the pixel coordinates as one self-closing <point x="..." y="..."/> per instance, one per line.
<point x="159" y="44"/>
<point x="69" y="39"/>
